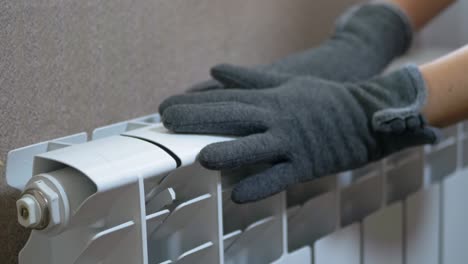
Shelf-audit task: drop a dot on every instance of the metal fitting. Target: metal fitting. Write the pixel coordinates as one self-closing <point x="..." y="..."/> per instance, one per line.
<point x="38" y="206"/>
<point x="33" y="209"/>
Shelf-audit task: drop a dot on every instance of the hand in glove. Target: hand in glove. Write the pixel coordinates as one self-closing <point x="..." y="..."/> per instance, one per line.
<point x="366" y="39"/>
<point x="305" y="127"/>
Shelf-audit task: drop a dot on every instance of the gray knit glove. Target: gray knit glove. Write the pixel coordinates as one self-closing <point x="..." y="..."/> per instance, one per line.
<point x="304" y="127"/>
<point x="366" y="39"/>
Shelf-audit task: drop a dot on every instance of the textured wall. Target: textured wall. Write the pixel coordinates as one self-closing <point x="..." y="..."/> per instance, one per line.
<point x="68" y="66"/>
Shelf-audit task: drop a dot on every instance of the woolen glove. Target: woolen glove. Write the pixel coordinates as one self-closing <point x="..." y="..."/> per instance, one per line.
<point x="366" y="39"/>
<point x="304" y="127"/>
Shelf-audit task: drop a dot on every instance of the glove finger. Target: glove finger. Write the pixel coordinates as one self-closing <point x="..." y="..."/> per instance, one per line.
<point x="397" y="142"/>
<point x="245" y="78"/>
<point x="264" y="184"/>
<point x="205" y="86"/>
<point x="212" y="96"/>
<point x="226" y="118"/>
<point x="257" y="148"/>
<point x="426" y="135"/>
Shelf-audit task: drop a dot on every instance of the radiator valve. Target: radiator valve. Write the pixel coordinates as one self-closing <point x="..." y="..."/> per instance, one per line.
<point x="50" y="199"/>
<point x="34" y="210"/>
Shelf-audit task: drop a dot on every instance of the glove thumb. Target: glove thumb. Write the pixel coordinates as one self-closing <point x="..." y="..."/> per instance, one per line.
<point x="245" y="78"/>
<point x="205" y="86"/>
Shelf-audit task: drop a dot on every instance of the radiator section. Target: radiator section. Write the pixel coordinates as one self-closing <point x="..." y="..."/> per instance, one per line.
<point x="134" y="193"/>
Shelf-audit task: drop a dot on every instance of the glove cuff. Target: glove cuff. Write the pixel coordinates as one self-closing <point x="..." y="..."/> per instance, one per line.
<point x="410" y="87"/>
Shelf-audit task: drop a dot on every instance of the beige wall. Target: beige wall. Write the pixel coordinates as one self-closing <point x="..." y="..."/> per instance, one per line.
<point x="69" y="66"/>
<point x="448" y="30"/>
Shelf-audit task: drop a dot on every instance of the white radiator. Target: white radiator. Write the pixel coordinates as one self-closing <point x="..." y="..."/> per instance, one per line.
<point x="134" y="194"/>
